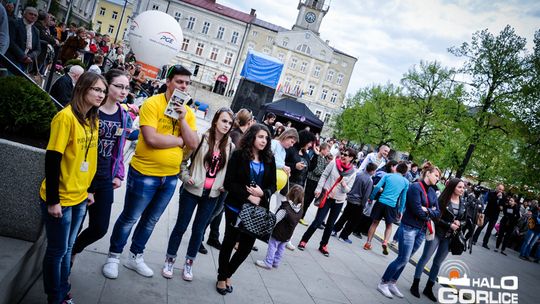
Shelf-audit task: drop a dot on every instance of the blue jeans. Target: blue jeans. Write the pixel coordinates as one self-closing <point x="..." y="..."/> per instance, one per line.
<point x="146" y="198"/>
<point x="528" y="242"/>
<point x="410" y="239"/>
<point x="441" y="245"/>
<point x="61" y="234"/>
<point x="205" y="205"/>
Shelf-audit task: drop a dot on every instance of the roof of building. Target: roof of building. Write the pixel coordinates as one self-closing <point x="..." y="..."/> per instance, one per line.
<point x="220" y="9"/>
<point x="343" y="53"/>
<point x="121" y="2"/>
<point x="268" y="25"/>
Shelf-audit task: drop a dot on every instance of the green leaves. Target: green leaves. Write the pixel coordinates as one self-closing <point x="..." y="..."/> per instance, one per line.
<point x="493" y="112"/>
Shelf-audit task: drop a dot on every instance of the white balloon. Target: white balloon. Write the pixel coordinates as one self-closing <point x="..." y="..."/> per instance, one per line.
<point x="155" y="38"/>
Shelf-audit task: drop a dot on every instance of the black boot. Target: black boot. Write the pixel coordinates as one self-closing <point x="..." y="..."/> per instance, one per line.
<point x="428" y="291"/>
<point x="414" y="288"/>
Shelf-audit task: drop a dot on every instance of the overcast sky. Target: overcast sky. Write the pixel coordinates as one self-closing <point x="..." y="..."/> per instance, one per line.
<point x="388" y="37"/>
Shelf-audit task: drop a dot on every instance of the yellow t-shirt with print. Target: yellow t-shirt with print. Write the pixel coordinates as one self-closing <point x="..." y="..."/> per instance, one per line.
<point x="73" y="140"/>
<point x="159" y="162"/>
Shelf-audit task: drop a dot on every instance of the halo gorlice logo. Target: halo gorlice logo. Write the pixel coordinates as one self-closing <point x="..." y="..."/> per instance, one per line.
<point x="487" y="290"/>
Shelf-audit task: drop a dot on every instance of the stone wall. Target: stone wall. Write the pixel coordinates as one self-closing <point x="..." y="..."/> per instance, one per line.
<point x="22" y="170"/>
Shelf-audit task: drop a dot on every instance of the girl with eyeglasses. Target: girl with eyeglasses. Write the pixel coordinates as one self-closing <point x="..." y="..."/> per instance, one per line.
<point x="114" y="129"/>
<point x="70" y="165"/>
<point x="202" y="185"/>
<point x="250" y="178"/>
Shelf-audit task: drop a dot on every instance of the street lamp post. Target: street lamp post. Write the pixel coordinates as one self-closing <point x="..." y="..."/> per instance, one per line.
<point x="120" y="22"/>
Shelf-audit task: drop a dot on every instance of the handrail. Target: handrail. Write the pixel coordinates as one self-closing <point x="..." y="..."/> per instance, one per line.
<point x="15" y="70"/>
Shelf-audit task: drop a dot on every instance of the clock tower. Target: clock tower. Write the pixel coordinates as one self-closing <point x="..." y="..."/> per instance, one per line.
<point x="310" y="14"/>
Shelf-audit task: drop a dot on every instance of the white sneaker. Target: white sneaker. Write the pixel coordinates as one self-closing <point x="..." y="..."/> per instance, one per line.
<point x="136" y="262"/>
<point x="394" y="290"/>
<point x="262" y="264"/>
<point x="187" y="274"/>
<point x="110" y="269"/>
<point x="383" y="288"/>
<point x="167" y="271"/>
<point x="290" y="246"/>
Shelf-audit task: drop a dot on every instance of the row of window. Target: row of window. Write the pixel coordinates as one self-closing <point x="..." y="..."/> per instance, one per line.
<point x="103" y="11"/>
<point x="110" y="30"/>
<point x="316" y="71"/>
<point x="310" y="90"/>
<point x="199" y="50"/>
<point x="327" y="116"/>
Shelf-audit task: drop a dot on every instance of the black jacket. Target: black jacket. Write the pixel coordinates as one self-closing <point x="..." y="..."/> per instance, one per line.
<point x="292" y="157"/>
<point x="62" y="90"/>
<point x="510" y="216"/>
<point x="494" y="204"/>
<point x="238" y="177"/>
<point x="17" y="41"/>
<point x="442" y="224"/>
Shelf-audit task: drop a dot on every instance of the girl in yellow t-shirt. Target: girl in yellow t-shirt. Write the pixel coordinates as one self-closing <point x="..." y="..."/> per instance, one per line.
<point x="70" y="165"/>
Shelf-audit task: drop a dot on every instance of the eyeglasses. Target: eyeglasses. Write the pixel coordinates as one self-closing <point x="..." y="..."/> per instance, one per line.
<point x="99" y="90"/>
<point x="119" y="86"/>
<point x="345" y="155"/>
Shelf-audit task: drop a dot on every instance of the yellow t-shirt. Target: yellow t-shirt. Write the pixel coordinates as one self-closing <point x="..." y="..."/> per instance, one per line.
<point x="71" y="139"/>
<point x="159" y="162"/>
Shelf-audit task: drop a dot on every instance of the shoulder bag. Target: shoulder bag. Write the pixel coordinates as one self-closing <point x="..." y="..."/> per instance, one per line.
<point x="321" y="200"/>
<point x="256" y="221"/>
<point x="430" y="231"/>
<point x="458" y="244"/>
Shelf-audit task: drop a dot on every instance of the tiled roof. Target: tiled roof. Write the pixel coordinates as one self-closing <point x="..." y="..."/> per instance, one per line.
<point x="223" y="10"/>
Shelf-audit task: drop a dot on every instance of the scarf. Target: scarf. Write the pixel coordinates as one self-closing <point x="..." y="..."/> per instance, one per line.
<point x="344" y="170"/>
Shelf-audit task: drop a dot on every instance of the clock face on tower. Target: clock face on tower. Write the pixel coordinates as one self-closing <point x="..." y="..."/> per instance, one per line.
<point x="310" y="17"/>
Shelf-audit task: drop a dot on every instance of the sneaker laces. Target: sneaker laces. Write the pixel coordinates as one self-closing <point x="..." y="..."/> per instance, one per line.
<point x="187" y="266"/>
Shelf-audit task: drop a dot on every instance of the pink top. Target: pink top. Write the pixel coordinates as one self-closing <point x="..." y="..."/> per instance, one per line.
<point x="212" y="170"/>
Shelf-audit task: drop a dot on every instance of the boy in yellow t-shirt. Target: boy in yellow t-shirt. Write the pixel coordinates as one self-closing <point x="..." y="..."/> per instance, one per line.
<point x="153" y="171"/>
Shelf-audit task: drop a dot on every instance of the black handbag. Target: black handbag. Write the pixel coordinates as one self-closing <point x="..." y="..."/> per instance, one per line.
<point x="458" y="244"/>
<point x="256" y="221"/>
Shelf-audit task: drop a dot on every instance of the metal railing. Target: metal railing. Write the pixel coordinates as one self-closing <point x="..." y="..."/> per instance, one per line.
<point x="13" y="69"/>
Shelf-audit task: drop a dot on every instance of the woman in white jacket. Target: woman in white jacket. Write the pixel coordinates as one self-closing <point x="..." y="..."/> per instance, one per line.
<point x="202" y="184"/>
<point x="337" y="179"/>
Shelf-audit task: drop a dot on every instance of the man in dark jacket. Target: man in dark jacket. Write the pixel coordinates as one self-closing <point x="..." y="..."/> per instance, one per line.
<point x="495" y="202"/>
<point x="62" y="89"/>
<point x="24" y="52"/>
<point x="45" y="37"/>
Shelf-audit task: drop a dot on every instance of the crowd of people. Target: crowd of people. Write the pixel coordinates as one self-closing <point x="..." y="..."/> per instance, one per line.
<point x="236" y="163"/>
<point x="37" y="44"/>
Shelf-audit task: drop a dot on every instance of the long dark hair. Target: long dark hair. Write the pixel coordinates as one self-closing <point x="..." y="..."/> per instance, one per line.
<point x="445" y="196"/>
<point x="211" y="134"/>
<point x="247" y="141"/>
<point x="83" y="86"/>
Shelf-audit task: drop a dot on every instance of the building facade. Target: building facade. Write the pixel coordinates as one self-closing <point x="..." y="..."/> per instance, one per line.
<point x="314" y="72"/>
<point x="213" y="38"/>
<point x="217" y="38"/>
<point x="112" y="19"/>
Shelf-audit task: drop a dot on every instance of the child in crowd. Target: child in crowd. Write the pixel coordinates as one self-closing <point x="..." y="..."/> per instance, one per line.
<point x="287" y="217"/>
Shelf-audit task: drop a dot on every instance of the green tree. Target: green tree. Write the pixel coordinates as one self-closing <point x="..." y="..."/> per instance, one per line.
<point x="496" y="69"/>
<point x="433" y="107"/>
<point x="371" y="115"/>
